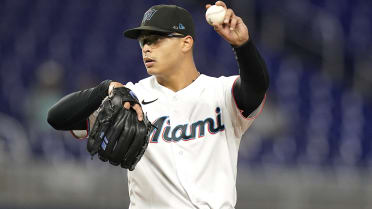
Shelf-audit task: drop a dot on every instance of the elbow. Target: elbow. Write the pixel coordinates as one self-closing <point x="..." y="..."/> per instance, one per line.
<point x="248" y="97"/>
<point x="53" y="119"/>
<point x="261" y="87"/>
<point x="267" y="82"/>
<point x="265" y="88"/>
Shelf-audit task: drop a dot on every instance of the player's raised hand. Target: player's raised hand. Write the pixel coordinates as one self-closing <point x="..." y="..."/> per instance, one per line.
<point x="233" y="29"/>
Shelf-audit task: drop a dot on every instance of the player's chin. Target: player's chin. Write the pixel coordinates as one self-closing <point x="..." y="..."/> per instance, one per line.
<point x="151" y="70"/>
<point x="154" y="70"/>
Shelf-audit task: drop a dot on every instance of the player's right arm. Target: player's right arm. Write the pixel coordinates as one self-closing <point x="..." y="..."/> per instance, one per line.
<point x="73" y="110"/>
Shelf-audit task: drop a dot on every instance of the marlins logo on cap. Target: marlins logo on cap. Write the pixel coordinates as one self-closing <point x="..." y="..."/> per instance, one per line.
<point x="164" y="19"/>
<point x="148" y="15"/>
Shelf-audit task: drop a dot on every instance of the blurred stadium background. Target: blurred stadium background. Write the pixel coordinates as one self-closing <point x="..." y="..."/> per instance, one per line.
<point x="310" y="149"/>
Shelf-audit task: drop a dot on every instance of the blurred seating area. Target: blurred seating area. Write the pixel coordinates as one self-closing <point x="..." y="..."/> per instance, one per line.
<point x="318" y="53"/>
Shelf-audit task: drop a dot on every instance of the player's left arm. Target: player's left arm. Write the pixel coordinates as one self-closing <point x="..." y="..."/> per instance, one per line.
<point x="250" y="87"/>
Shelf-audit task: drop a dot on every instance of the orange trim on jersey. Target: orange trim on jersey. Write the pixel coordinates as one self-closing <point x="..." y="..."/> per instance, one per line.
<point x="241" y="111"/>
<point x="84" y="137"/>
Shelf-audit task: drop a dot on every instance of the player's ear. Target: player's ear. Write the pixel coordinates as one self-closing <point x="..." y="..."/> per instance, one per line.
<point x="187" y="43"/>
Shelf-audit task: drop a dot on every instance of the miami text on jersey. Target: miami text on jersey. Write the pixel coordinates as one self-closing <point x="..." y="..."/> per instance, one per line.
<point x="179" y="132"/>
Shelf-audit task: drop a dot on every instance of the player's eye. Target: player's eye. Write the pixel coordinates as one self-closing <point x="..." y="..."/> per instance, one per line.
<point x="150" y="40"/>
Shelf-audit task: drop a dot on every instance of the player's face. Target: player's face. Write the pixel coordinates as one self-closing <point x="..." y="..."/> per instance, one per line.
<point x="160" y="52"/>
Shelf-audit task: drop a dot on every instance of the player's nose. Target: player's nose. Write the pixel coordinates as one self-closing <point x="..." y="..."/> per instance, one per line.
<point x="146" y="48"/>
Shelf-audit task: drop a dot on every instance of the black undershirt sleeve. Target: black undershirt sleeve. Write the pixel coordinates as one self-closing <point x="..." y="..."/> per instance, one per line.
<point x="250" y="88"/>
<point x="72" y="111"/>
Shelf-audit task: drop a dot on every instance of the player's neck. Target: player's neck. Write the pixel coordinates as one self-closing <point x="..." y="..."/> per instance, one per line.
<point x="180" y="78"/>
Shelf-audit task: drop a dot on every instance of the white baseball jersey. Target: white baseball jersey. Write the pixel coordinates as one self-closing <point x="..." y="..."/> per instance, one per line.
<point x="191" y="160"/>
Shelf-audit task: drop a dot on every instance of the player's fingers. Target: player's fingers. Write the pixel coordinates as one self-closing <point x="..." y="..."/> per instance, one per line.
<point x="207" y="6"/>
<point x="228" y="15"/>
<point x="113" y="85"/>
<point x="234" y="21"/>
<point x="221" y="3"/>
<point x="127" y="105"/>
<point x="138" y="110"/>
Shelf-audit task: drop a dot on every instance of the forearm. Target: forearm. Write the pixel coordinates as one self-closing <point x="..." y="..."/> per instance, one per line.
<point x="72" y="111"/>
<point x="250" y="88"/>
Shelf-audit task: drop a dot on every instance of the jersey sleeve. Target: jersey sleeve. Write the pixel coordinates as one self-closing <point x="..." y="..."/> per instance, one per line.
<point x="239" y="122"/>
<point x="130" y="86"/>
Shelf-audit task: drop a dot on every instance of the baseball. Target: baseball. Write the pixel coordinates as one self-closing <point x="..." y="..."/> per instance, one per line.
<point x="215" y="14"/>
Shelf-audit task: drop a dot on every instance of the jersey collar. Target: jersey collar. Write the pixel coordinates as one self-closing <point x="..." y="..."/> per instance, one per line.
<point x="190" y="88"/>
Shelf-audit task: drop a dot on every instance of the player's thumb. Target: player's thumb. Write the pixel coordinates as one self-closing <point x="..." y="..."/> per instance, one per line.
<point x="217" y="27"/>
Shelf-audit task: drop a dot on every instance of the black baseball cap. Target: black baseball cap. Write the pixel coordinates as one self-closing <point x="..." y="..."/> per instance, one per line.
<point x="164" y="19"/>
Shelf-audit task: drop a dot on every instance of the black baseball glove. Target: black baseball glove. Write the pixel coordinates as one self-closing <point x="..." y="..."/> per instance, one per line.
<point x="117" y="135"/>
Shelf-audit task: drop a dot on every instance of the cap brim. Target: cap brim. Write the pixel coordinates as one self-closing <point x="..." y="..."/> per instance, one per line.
<point x="136" y="32"/>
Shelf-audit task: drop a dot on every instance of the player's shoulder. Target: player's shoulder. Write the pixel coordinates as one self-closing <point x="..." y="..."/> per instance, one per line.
<point x="220" y="79"/>
<point x="142" y="84"/>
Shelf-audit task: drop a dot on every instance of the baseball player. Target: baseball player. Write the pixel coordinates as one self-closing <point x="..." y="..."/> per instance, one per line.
<point x="191" y="157"/>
